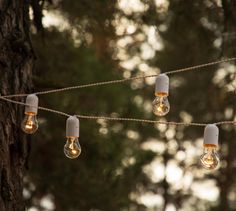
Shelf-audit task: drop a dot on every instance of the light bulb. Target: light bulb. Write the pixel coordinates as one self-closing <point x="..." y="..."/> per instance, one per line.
<point x="29" y="124"/>
<point x="210" y="159"/>
<point x="72" y="148"/>
<point x="161" y="105"/>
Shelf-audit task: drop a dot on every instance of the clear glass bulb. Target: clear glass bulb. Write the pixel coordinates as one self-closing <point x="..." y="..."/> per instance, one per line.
<point x="161" y="105"/>
<point x="210" y="158"/>
<point x="29" y="124"/>
<point x="72" y="147"/>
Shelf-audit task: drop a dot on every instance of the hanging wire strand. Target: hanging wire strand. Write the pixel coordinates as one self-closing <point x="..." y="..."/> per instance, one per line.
<point x="39" y="107"/>
<point x="225" y="123"/>
<point x="141" y="120"/>
<point x="119" y="118"/>
<point x="197" y="67"/>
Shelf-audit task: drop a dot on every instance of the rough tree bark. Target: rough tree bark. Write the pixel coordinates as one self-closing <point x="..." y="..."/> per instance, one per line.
<point x="16" y="63"/>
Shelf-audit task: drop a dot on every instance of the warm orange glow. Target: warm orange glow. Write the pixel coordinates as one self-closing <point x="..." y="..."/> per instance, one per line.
<point x="161" y="94"/>
<point x="210" y="159"/>
<point x="161" y="105"/>
<point x="29" y="125"/>
<point x="74" y="151"/>
<point x="210" y="146"/>
<point x="72" y="148"/>
<point x="30" y="113"/>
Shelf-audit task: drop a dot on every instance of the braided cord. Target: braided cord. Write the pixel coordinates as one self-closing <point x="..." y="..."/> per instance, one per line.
<point x="197" y="67"/>
<point x="119" y="118"/>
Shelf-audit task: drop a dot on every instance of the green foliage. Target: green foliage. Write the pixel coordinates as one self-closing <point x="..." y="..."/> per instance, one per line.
<point x="112" y="165"/>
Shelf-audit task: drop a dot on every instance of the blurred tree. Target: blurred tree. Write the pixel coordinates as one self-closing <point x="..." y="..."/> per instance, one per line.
<point x="100" y="41"/>
<point x="121" y="164"/>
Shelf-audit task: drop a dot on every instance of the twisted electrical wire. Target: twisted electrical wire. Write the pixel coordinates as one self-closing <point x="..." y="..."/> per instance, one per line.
<point x="118" y="118"/>
<point x="197" y="67"/>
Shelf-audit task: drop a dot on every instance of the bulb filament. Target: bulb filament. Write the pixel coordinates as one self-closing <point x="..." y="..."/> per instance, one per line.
<point x="210" y="159"/>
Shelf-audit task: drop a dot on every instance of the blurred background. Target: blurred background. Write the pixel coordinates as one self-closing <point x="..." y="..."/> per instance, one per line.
<point x="125" y="165"/>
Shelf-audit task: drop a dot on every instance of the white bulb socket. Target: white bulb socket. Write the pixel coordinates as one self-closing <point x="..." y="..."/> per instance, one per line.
<point x="211" y="134"/>
<point x="32" y="104"/>
<point x="162" y="84"/>
<point x="72" y="127"/>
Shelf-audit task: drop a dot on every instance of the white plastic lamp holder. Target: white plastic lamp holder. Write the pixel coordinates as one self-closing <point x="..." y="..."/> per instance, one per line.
<point x="162" y="84"/>
<point x="32" y="104"/>
<point x="72" y="127"/>
<point x="211" y="134"/>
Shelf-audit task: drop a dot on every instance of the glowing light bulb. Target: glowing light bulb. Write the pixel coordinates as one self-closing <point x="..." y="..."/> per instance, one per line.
<point x="161" y="104"/>
<point x="30" y="124"/>
<point x="72" y="147"/>
<point x="210" y="159"/>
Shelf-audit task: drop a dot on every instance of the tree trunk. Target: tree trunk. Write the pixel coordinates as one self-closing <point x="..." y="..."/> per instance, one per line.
<point x="16" y="62"/>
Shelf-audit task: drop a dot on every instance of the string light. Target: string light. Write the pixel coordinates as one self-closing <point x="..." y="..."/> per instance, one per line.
<point x="161" y="107"/>
<point x="30" y="124"/>
<point x="161" y="104"/>
<point x="210" y="158"/>
<point x="72" y="147"/>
